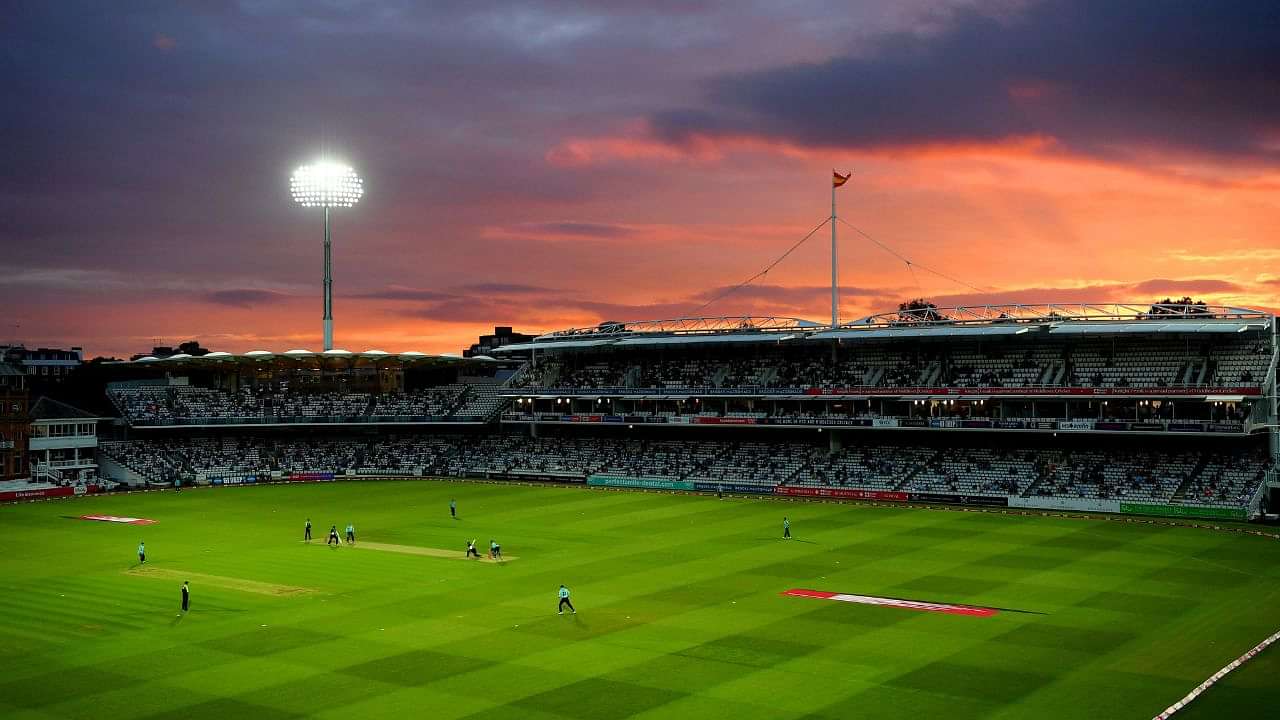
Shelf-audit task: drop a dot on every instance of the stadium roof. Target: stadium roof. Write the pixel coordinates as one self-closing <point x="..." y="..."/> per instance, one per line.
<point x="46" y="408"/>
<point x="302" y="356"/>
<point x="950" y="322"/>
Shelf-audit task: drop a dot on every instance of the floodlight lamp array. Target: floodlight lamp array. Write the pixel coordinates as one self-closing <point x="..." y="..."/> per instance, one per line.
<point x="326" y="185"/>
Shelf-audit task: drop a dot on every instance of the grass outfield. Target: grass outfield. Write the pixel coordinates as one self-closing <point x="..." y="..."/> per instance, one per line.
<point x="679" y="609"/>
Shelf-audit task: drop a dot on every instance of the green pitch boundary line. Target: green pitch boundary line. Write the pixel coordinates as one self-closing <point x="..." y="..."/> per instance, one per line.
<point x="1021" y="512"/>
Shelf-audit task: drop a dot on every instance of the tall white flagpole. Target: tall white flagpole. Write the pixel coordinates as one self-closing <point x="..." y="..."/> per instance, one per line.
<point x="835" y="292"/>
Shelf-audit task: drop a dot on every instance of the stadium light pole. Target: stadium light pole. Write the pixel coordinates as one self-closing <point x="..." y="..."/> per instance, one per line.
<point x="326" y="184"/>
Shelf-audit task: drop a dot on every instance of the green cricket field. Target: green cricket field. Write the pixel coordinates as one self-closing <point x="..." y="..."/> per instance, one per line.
<point x="682" y="611"/>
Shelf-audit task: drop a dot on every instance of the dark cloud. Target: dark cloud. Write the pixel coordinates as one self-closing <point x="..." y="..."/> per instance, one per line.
<point x="408" y="294"/>
<point x="574" y="229"/>
<point x="462" y="310"/>
<point x="504" y="289"/>
<point x="1140" y="293"/>
<point x="245" y="298"/>
<point x="625" y="312"/>
<point x="1186" y="287"/>
<point x="1101" y="77"/>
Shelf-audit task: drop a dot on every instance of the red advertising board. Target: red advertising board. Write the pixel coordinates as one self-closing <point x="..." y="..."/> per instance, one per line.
<point x="36" y="494"/>
<point x="844" y="493"/>
<point x="1018" y="391"/>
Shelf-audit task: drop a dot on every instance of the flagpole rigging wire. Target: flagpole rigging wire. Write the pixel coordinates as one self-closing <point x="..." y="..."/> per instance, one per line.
<point x="909" y="262"/>
<point x="766" y="270"/>
<point x="911" y="265"/>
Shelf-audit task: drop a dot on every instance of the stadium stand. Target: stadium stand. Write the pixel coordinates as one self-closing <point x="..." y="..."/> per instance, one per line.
<point x="1222" y="477"/>
<point x="729" y="402"/>
<point x="191" y="405"/>
<point x="1131" y="362"/>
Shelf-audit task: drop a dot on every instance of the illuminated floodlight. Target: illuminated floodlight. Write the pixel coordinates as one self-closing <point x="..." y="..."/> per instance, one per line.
<point x="326" y="184"/>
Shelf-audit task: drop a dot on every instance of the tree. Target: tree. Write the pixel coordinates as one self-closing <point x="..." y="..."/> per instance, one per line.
<point x="918" y="310"/>
<point x="1183" y="307"/>
<point x="192" y="347"/>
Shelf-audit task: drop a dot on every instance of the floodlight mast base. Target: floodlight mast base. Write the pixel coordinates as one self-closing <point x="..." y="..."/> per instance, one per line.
<point x="328" y="284"/>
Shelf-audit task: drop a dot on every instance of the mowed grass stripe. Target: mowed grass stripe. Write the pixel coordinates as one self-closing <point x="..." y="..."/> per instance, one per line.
<point x="679" y="610"/>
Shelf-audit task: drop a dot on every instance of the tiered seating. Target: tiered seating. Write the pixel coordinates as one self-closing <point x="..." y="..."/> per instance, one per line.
<point x="1237" y="365"/>
<point x="143" y="403"/>
<point x="480" y="402"/>
<point x="671" y="460"/>
<point x="976" y="471"/>
<point x="182" y="404"/>
<point x="1111" y="362"/>
<point x="870" y="467"/>
<point x="1138" y="476"/>
<point x="971" y="368"/>
<point x="570" y="456"/>
<point x="435" y="402"/>
<point x="329" y="404"/>
<point x="1226" y="480"/>
<point x="756" y="464"/>
<point x="196" y="402"/>
<point x="1223" y="477"/>
<point x="1095" y="363"/>
<point x="140" y="457"/>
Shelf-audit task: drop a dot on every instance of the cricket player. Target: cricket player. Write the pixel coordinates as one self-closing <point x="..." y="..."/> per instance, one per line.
<point x="564" y="600"/>
<point x="453" y="508"/>
<point x="142" y="553"/>
<point x="306" y="534"/>
<point x="471" y="549"/>
<point x="333" y="536"/>
<point x="351" y="533"/>
<point x="186" y="595"/>
<point x="495" y="550"/>
<point x="786" y="529"/>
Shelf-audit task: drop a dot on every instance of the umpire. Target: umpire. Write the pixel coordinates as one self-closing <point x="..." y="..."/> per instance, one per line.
<point x="186" y="595"/>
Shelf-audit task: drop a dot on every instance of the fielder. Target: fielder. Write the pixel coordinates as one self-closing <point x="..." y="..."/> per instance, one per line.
<point x="564" y="601"/>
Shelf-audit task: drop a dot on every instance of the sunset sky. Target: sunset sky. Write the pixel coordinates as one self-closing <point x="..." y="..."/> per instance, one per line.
<point x="553" y="164"/>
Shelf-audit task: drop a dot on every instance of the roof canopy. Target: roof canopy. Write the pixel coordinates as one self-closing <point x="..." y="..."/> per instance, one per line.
<point x="961" y="321"/>
<point x="301" y="356"/>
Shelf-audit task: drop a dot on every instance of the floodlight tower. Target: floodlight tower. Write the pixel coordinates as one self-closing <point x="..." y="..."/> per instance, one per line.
<point x="326" y="185"/>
